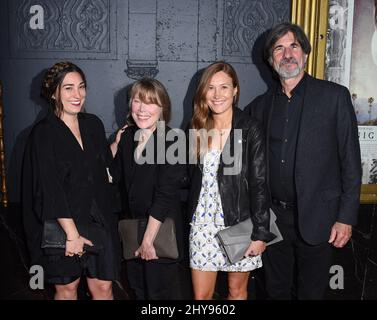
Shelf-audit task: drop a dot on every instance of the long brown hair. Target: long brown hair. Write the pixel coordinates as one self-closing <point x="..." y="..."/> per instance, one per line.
<point x="52" y="81"/>
<point x="203" y="117"/>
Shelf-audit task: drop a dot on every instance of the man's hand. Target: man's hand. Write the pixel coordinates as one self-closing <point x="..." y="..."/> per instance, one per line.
<point x="340" y="234"/>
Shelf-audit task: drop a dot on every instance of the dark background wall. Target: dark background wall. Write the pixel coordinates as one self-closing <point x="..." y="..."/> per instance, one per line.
<point x="117" y="41"/>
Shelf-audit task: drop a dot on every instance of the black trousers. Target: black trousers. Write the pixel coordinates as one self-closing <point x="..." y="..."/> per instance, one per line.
<point x="151" y="280"/>
<point x="293" y="268"/>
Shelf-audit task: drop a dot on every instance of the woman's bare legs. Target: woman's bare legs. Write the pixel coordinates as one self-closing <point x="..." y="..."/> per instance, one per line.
<point x="100" y="289"/>
<point x="204" y="283"/>
<point x="67" y="291"/>
<point x="237" y="285"/>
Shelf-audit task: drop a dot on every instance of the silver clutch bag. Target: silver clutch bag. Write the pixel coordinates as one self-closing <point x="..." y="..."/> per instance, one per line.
<point x="236" y="239"/>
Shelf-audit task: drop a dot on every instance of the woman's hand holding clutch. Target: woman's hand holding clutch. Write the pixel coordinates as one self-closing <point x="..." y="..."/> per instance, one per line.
<point x="255" y="248"/>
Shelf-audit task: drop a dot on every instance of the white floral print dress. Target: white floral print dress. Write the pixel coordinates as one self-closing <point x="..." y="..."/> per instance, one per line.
<point x="208" y="219"/>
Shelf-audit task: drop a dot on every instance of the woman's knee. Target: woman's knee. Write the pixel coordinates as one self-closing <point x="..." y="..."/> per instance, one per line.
<point x="100" y="287"/>
<point x="237" y="286"/>
<point x="204" y="283"/>
<point x="237" y="293"/>
<point x="203" y="295"/>
<point x="67" y="291"/>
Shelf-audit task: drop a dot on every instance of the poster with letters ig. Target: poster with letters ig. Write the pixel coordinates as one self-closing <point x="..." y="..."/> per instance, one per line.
<point x="363" y="83"/>
<point x="368" y="146"/>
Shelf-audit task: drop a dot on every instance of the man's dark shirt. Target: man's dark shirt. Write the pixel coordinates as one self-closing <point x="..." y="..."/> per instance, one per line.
<point x="285" y="125"/>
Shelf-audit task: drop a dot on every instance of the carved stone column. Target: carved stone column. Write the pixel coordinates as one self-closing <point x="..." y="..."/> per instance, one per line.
<point x="142" y="56"/>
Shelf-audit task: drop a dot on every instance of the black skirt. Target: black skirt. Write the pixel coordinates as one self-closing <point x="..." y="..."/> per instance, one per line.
<point x="103" y="264"/>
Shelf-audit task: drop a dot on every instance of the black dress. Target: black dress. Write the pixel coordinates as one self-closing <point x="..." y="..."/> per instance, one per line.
<point x="62" y="180"/>
<point x="151" y="189"/>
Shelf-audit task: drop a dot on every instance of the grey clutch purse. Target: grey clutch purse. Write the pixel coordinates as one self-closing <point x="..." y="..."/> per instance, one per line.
<point x="236" y="239"/>
<point x="131" y="232"/>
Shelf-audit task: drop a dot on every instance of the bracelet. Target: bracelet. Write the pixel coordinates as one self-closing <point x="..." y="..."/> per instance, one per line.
<point x="73" y="239"/>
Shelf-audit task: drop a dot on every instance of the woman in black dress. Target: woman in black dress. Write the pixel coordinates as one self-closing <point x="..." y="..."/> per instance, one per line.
<point x="65" y="179"/>
<point x="151" y="188"/>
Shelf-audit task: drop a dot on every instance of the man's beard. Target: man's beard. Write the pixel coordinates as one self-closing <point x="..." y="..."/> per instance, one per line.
<point x="288" y="74"/>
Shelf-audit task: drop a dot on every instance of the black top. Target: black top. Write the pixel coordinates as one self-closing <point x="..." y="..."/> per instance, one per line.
<point x="285" y="125"/>
<point x="62" y="180"/>
<point x="150" y="188"/>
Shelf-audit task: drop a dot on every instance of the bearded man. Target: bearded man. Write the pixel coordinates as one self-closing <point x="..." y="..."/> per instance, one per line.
<point x="314" y="167"/>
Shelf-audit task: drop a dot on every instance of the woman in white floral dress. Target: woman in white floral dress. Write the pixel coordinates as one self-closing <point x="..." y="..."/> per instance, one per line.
<point x="217" y="200"/>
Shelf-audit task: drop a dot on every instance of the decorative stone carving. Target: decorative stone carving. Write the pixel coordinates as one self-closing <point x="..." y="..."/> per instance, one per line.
<point x="139" y="69"/>
<point x="72" y="28"/>
<point x="245" y="20"/>
<point x="91" y="24"/>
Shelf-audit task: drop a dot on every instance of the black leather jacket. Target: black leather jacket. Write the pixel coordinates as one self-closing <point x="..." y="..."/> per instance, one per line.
<point x="243" y="194"/>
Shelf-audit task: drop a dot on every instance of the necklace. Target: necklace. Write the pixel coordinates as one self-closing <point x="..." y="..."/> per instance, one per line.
<point x="223" y="136"/>
<point x="224" y="128"/>
<point x="223" y="131"/>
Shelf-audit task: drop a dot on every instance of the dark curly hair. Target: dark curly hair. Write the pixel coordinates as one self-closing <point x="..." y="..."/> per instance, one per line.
<point x="52" y="81"/>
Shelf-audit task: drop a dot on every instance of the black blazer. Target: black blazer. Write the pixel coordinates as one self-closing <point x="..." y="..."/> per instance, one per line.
<point x="328" y="163"/>
<point x="60" y="180"/>
<point x="149" y="188"/>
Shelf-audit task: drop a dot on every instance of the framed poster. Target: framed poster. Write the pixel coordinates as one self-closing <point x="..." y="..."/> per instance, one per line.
<point x="351" y="60"/>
